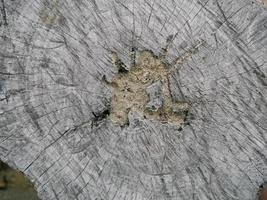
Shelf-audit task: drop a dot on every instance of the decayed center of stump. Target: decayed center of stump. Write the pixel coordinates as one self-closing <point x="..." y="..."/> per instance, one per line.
<point x="145" y="88"/>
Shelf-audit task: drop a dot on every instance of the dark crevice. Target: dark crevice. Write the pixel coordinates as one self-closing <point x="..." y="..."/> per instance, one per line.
<point x="122" y="70"/>
<point x="119" y="64"/>
<point x="133" y="56"/>
<point x="100" y="116"/>
<point x="3" y="10"/>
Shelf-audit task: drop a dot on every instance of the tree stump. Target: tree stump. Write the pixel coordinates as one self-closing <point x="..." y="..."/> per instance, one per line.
<point x="58" y="60"/>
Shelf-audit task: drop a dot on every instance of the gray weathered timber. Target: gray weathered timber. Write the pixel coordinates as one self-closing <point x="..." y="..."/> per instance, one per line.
<point x="54" y="125"/>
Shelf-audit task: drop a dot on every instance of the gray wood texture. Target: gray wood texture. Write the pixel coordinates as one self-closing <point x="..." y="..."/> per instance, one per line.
<point x="53" y="56"/>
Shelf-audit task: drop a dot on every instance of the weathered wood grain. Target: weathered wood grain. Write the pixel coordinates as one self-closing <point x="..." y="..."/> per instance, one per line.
<point x="53" y="127"/>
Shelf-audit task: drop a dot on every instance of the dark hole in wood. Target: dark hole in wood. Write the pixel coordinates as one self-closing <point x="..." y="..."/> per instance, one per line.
<point x="122" y="70"/>
<point x="187" y="124"/>
<point x="180" y="129"/>
<point x="98" y="117"/>
<point x="121" y="67"/>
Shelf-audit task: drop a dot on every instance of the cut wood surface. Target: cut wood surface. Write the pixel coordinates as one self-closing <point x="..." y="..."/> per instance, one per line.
<point x="56" y="66"/>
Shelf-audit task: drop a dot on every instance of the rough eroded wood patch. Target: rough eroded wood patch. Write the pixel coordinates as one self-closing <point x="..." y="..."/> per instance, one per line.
<point x="145" y="88"/>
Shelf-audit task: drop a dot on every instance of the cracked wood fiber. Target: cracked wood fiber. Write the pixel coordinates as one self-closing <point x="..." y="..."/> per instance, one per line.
<point x="55" y="104"/>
